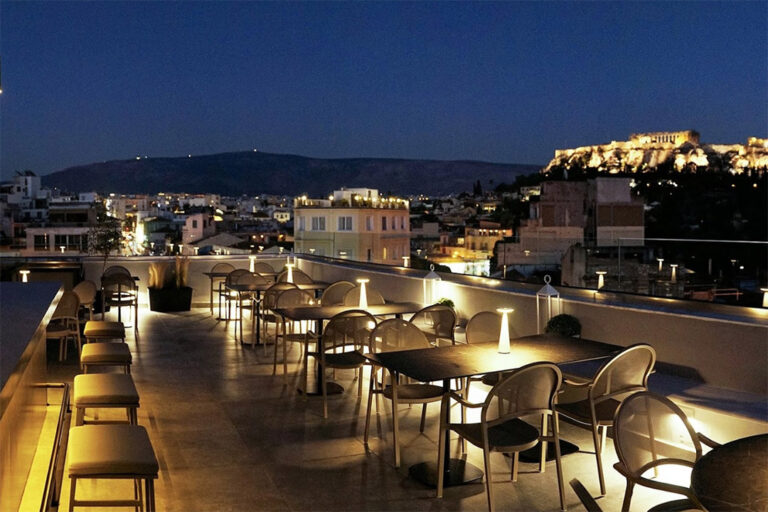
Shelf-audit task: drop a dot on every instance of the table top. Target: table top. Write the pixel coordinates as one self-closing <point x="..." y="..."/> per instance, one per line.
<point x="432" y="364"/>
<point x="325" y="312"/>
<point x="225" y="274"/>
<point x="733" y="476"/>
<point x="317" y="285"/>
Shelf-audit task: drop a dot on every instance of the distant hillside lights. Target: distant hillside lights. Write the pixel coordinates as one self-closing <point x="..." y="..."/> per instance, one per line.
<point x="645" y="152"/>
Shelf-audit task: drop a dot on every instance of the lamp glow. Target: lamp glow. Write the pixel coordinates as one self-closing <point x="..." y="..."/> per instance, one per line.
<point x="24" y="276"/>
<point x="765" y="297"/>
<point x="289" y="277"/>
<point x="674" y="273"/>
<point x="504" y="331"/>
<point x="363" y="294"/>
<point x="430" y="284"/>
<point x="661" y="262"/>
<point x="252" y="266"/>
<point x="62" y="249"/>
<point x="600" y="278"/>
<point x="406" y="261"/>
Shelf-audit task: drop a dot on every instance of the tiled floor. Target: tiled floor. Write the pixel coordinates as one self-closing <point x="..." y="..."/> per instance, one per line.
<point x="231" y="436"/>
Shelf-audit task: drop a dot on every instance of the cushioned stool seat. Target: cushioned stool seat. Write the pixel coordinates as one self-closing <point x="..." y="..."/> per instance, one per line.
<point x="105" y="390"/>
<point x="112" y="451"/>
<point x="106" y="354"/>
<point x="100" y="330"/>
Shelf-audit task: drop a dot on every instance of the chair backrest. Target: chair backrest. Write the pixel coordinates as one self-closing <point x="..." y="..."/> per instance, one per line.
<point x="270" y="295"/>
<point x="233" y="276"/>
<point x="116" y="269"/>
<point x="260" y="267"/>
<point x="437" y="320"/>
<point x="251" y="279"/>
<point x="352" y="297"/>
<point x="483" y="326"/>
<point x="222" y="268"/>
<point x="349" y="330"/>
<point x="650" y="430"/>
<point x="294" y="297"/>
<point x="86" y="292"/>
<point x="118" y="283"/>
<point x="334" y="294"/>
<point x="626" y="372"/>
<point x="298" y="276"/>
<point x="397" y="334"/>
<point x="528" y="390"/>
<point x="67" y="308"/>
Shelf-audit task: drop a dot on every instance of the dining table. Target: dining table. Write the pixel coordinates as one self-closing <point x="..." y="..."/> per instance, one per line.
<point x="470" y="360"/>
<point x="320" y="313"/>
<point x="222" y="275"/>
<point x="254" y="290"/>
<point x="733" y="476"/>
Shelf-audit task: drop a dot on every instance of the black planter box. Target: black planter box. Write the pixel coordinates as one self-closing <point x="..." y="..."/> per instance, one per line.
<point x="170" y="299"/>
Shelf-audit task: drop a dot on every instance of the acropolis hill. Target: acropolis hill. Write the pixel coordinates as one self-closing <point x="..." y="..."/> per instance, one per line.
<point x="680" y="151"/>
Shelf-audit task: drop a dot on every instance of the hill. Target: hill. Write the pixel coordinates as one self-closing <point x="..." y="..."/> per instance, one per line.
<point x="252" y="173"/>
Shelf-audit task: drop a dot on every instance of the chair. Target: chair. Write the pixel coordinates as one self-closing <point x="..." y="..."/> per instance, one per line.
<point x="297" y="276"/>
<point x="340" y="348"/>
<point x="86" y="292"/>
<point x="288" y="299"/>
<point x="112" y="452"/>
<point x="227" y="295"/>
<point x="483" y="327"/>
<point x="334" y="294"/>
<point x="392" y="335"/>
<point x="652" y="434"/>
<point x="253" y="282"/>
<point x="269" y="303"/>
<point x="622" y="375"/>
<point x="263" y="268"/>
<point x="120" y="290"/>
<point x="437" y="322"/>
<point x="529" y="391"/>
<point x="65" y="323"/>
<point x="352" y="297"/>
<point x="219" y="268"/>
<point x="116" y="269"/>
<point x="104" y="390"/>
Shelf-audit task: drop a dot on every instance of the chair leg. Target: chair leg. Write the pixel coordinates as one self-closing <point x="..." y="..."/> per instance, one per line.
<point x="515" y="465"/>
<point x="72" y="486"/>
<point x="444" y="404"/>
<point x="558" y="459"/>
<point x="423" y="417"/>
<point x="627" y="495"/>
<point x="395" y="423"/>
<point x="598" y="457"/>
<point x="543" y="445"/>
<point x="370" y="402"/>
<point x="488" y="474"/>
<point x="325" y="389"/>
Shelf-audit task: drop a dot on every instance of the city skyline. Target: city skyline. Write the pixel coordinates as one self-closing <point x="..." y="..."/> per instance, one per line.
<point x="498" y="82"/>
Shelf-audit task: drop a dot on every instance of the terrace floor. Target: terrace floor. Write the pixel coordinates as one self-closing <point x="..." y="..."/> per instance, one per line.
<point x="231" y="436"/>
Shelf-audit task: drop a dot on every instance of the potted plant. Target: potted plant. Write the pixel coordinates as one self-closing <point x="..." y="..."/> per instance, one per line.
<point x="169" y="292"/>
<point x="104" y="238"/>
<point x="564" y="325"/>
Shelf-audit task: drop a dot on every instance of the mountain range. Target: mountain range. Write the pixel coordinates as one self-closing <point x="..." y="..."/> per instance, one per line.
<point x="256" y="172"/>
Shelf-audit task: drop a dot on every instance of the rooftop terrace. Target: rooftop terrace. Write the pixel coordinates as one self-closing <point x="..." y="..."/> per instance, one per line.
<point x="231" y="436"/>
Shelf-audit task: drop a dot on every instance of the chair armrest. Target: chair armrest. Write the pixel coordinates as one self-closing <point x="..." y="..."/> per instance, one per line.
<point x="707" y="441"/>
<point x="577" y="384"/>
<point x="463" y="402"/>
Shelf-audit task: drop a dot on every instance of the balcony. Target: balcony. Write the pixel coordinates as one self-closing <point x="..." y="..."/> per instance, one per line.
<point x="229" y="435"/>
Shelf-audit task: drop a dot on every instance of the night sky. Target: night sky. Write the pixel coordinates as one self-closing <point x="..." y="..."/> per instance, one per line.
<point x="503" y="82"/>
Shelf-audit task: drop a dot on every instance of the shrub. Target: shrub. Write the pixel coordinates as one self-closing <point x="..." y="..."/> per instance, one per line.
<point x="564" y="325"/>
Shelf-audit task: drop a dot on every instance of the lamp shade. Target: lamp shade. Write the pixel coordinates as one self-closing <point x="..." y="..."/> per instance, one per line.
<point x="551" y="299"/>
<point x="430" y="285"/>
<point x="504" y="331"/>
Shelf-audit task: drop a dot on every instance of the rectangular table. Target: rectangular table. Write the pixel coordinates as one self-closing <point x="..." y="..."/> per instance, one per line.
<point x="318" y="314"/>
<point x="458" y="361"/>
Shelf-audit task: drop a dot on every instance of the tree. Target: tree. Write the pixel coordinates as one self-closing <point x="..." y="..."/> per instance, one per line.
<point x="105" y="236"/>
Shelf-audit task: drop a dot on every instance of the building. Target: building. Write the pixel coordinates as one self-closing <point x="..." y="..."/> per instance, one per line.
<point x="65" y="231"/>
<point x="355" y="224"/>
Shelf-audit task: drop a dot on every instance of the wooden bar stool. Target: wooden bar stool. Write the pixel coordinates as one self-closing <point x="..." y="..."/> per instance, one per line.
<point x="106" y="354"/>
<point x="112" y="452"/>
<point x="105" y="390"/>
<point x="99" y="330"/>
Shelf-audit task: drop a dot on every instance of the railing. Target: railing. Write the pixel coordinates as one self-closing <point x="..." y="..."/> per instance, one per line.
<point x="55" y="473"/>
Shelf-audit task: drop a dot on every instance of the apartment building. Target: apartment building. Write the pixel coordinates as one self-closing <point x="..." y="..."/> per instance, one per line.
<point x="356" y="224"/>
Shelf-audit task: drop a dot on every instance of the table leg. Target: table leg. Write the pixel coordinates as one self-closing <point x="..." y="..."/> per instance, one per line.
<point x="331" y="388"/>
<point x="210" y="296"/>
<point x="455" y="471"/>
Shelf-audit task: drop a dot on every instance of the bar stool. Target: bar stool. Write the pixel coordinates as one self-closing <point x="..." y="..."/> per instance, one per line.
<point x="99" y="330"/>
<point x="105" y="390"/>
<point x="106" y="354"/>
<point x="112" y="452"/>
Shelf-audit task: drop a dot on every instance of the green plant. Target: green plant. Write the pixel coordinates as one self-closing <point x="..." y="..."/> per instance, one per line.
<point x="446" y="302"/>
<point x="564" y="325"/>
<point x="105" y="236"/>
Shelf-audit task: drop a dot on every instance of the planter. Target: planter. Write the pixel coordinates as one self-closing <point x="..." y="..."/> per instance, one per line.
<point x="170" y="299"/>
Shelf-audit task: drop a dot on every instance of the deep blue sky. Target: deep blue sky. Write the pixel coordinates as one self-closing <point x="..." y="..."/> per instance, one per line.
<point x="505" y="82"/>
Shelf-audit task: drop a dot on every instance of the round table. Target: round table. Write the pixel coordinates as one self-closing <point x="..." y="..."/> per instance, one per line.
<point x="733" y="476"/>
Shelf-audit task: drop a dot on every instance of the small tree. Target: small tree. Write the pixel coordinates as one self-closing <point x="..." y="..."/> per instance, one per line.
<point x="105" y="236"/>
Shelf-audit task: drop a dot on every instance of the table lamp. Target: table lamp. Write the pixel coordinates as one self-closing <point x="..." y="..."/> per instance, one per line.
<point x="504" y="331"/>
<point x="363" y="294"/>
